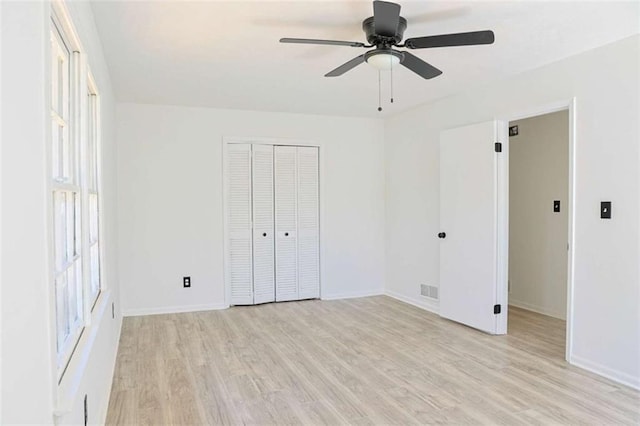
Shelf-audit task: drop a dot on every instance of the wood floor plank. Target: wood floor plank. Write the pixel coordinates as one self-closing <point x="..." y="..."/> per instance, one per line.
<point x="367" y="361"/>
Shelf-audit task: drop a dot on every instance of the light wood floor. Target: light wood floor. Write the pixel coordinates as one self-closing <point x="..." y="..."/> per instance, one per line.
<point x="361" y="361"/>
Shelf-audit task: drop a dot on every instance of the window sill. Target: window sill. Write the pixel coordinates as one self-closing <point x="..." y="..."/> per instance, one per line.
<point x="67" y="388"/>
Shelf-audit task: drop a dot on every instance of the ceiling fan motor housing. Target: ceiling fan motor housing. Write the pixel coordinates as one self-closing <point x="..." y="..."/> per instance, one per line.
<point x="369" y="29"/>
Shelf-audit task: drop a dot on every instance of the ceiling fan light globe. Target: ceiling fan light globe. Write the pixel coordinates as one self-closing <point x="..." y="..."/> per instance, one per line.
<point x="383" y="61"/>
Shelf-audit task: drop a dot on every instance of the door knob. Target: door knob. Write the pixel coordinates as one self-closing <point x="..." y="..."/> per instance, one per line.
<point x="286" y="234"/>
<point x="264" y="234"/>
<point x="442" y="235"/>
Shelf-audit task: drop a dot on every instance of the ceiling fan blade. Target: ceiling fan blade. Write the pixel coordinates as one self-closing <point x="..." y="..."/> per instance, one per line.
<point x="419" y="66"/>
<point x="346" y="67"/>
<point x="325" y="42"/>
<point x="446" y="40"/>
<point x="386" y="17"/>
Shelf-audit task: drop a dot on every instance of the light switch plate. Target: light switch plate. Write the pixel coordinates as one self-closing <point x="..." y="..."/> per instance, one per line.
<point x="605" y="210"/>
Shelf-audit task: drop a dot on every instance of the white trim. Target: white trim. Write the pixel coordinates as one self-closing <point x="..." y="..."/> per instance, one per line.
<point x="63" y="17"/>
<point x="268" y="141"/>
<point x="502" y="225"/>
<point x="536" y="308"/>
<point x="427" y="304"/>
<point x="604" y="371"/>
<point x="69" y="384"/>
<point x="174" y="309"/>
<point x="543" y="110"/>
<point x="227" y="140"/>
<point x="353" y="294"/>
<point x="570" y="106"/>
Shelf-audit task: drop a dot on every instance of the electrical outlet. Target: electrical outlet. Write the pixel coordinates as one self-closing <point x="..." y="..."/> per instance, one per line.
<point x="186" y="282"/>
<point x="86" y="411"/>
<point x="513" y="130"/>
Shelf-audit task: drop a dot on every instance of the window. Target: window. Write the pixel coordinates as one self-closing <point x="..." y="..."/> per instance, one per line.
<point x="92" y="184"/>
<point x="67" y="203"/>
<point x="75" y="154"/>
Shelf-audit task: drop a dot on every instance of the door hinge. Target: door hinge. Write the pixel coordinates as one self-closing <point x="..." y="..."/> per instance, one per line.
<point x="497" y="309"/>
<point x="498" y="147"/>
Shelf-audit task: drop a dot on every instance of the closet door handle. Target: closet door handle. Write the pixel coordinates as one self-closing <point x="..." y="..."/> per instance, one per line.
<point x="286" y="234"/>
<point x="264" y="234"/>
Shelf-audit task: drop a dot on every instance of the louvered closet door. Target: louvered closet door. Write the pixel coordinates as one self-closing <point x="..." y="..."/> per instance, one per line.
<point x="286" y="218"/>
<point x="239" y="250"/>
<point x="308" y="223"/>
<point x="263" y="225"/>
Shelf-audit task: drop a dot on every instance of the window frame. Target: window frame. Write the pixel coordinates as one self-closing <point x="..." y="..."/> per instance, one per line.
<point x="93" y="185"/>
<point x="66" y="180"/>
<point x="67" y="362"/>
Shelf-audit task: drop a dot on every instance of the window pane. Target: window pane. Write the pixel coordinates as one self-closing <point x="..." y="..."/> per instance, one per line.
<point x="65" y="155"/>
<point x="60" y="89"/>
<point x="54" y="72"/>
<point x="95" y="271"/>
<point x="93" y="218"/>
<point x="90" y="140"/>
<point x="77" y="220"/>
<point x="61" y="311"/>
<point x="60" y="84"/>
<point x="92" y="134"/>
<point x="75" y="295"/>
<point x="55" y="148"/>
<point x="70" y="227"/>
<point x="60" y="229"/>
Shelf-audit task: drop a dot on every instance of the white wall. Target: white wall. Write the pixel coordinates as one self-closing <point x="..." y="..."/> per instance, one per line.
<point x="171" y="201"/>
<point x="538" y="237"/>
<point x="605" y="83"/>
<point x="29" y="390"/>
<point x="26" y="374"/>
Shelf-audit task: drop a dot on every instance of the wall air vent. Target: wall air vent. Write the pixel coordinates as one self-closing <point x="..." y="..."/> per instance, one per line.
<point x="429" y="291"/>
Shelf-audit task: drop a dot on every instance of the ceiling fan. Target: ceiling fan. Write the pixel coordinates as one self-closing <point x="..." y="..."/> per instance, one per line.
<point x="384" y="31"/>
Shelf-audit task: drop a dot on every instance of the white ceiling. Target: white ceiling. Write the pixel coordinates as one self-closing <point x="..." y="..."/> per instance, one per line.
<point x="226" y="54"/>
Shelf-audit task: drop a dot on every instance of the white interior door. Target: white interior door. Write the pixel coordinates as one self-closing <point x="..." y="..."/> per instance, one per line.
<point x="239" y="245"/>
<point x="308" y="223"/>
<point x="286" y="212"/>
<point x="473" y="199"/>
<point x="263" y="225"/>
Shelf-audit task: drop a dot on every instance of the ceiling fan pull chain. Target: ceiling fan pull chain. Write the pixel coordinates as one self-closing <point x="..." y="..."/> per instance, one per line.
<point x="379" y="91"/>
<point x="391" y="68"/>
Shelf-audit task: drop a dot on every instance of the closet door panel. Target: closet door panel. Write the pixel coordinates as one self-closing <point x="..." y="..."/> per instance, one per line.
<point x="308" y="223"/>
<point x="286" y="221"/>
<point x="239" y="249"/>
<point x="263" y="225"/>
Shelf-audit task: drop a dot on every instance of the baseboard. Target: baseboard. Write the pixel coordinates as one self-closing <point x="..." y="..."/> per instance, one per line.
<point x="353" y="294"/>
<point x="173" y="309"/>
<point x="609" y="373"/>
<point x="426" y="304"/>
<point x="537" y="309"/>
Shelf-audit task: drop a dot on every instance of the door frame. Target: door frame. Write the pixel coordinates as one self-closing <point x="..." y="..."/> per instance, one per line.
<point x="563" y="105"/>
<point x="228" y="140"/>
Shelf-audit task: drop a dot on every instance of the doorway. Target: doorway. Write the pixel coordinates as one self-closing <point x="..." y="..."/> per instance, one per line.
<point x="539" y="221"/>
